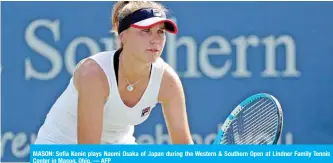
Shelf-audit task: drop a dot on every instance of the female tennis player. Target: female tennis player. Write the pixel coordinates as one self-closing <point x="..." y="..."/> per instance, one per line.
<point x="112" y="91"/>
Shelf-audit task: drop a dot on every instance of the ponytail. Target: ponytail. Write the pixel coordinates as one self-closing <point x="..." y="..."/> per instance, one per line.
<point x="115" y="14"/>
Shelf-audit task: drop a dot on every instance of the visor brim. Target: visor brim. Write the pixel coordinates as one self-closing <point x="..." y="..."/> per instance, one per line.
<point x="170" y="26"/>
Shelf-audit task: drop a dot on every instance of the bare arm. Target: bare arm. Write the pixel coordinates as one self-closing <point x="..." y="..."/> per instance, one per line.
<point x="173" y="103"/>
<point x="92" y="86"/>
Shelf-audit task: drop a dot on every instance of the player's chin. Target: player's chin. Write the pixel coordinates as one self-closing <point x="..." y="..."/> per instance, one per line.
<point x="152" y="57"/>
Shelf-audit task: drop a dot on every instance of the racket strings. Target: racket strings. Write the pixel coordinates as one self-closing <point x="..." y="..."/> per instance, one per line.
<point x="254" y="137"/>
<point x="239" y="134"/>
<point x="256" y="124"/>
<point x="253" y="123"/>
<point x="259" y="127"/>
<point x="229" y="136"/>
<point x="265" y="138"/>
<point x="236" y="133"/>
<point x="261" y="123"/>
<point x="243" y="132"/>
<point x="233" y="135"/>
<point x="265" y="117"/>
<point x="251" y="120"/>
<point x="253" y="105"/>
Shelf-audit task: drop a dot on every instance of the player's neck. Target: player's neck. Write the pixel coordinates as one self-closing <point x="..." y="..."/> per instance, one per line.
<point x="132" y="67"/>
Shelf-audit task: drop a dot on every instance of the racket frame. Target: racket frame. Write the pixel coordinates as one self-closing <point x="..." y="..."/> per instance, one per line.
<point x="241" y="106"/>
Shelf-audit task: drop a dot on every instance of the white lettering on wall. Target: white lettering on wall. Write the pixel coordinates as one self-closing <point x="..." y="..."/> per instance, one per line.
<point x="223" y="49"/>
<point x="53" y="55"/>
<point x="242" y="44"/>
<point x="43" y="49"/>
<point x="197" y="55"/>
<point x="271" y="44"/>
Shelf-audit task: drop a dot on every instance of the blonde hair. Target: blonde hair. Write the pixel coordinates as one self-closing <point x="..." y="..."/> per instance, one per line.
<point x="124" y="8"/>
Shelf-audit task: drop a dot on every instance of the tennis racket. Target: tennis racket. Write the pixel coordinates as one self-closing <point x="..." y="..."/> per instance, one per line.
<point x="256" y="120"/>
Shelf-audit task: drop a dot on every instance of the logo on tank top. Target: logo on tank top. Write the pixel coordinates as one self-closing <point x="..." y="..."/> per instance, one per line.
<point x="145" y="111"/>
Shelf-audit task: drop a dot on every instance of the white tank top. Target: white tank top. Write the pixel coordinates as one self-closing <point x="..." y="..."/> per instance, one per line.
<point x="60" y="126"/>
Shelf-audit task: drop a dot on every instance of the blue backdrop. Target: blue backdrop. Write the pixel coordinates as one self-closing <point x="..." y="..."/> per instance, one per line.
<point x="224" y="52"/>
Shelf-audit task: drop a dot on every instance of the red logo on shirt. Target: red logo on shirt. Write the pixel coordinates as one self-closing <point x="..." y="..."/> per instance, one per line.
<point x="145" y="111"/>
